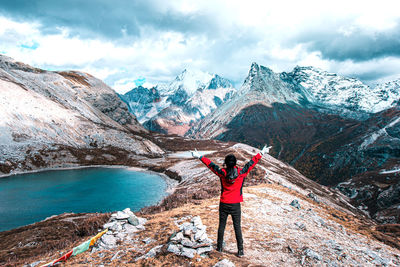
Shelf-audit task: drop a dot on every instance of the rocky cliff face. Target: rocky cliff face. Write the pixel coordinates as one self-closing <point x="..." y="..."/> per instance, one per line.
<point x="43" y="112"/>
<point x="320" y="123"/>
<point x="174" y="107"/>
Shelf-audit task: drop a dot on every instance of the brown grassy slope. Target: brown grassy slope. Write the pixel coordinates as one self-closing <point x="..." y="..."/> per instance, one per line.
<point x="27" y="243"/>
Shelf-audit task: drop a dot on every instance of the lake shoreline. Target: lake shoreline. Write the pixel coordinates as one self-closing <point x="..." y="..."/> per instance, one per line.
<point x="171" y="183"/>
<point x="169" y="190"/>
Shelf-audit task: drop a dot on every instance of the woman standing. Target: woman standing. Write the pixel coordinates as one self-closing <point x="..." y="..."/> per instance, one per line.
<point x="232" y="179"/>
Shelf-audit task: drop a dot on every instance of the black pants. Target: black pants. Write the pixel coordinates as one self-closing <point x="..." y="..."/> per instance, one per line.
<point x="234" y="211"/>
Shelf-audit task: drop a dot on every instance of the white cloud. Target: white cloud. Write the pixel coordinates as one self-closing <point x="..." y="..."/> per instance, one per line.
<point x="245" y="31"/>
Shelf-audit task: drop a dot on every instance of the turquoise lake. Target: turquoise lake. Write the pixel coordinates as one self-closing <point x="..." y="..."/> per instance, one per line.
<point x="29" y="198"/>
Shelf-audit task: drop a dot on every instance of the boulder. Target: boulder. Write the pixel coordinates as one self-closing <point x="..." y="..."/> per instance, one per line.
<point x="122" y="215"/>
<point x="188" y="252"/>
<point x="109" y="240"/>
<point x="177" y="237"/>
<point x="295" y="203"/>
<point x="133" y="220"/>
<point x="196" y="221"/>
<point x="174" y="248"/>
<point x="130" y="229"/>
<point x="204" y="250"/>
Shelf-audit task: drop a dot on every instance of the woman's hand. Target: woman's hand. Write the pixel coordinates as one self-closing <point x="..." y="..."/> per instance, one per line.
<point x="195" y="154"/>
<point x="265" y="150"/>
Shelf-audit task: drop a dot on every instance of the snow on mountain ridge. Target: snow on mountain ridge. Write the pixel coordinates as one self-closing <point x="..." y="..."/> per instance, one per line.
<point x="190" y="80"/>
<point x="337" y="92"/>
<point x="189" y="97"/>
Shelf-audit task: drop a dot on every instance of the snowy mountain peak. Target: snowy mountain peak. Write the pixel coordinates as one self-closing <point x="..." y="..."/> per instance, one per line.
<point x="190" y="80"/>
<point x="218" y="82"/>
<point x="341" y="93"/>
<point x="256" y="69"/>
<point x="172" y="107"/>
<point x="267" y="85"/>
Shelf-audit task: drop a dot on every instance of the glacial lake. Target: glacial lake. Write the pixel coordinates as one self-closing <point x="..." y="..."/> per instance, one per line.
<point x="29" y="198"/>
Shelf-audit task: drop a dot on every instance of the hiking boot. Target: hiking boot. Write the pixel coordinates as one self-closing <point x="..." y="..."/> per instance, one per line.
<point x="240" y="253"/>
<point x="220" y="246"/>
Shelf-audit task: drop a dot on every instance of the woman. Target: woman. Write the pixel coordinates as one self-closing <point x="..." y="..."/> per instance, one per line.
<point x="232" y="179"/>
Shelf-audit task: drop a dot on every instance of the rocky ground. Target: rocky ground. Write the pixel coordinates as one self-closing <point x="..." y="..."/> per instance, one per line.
<point x="287" y="219"/>
<point x="275" y="233"/>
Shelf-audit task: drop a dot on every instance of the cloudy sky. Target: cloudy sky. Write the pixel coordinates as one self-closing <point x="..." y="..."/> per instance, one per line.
<point x="128" y="42"/>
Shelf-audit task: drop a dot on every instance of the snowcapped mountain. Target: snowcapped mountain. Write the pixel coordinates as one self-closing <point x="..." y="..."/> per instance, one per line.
<point x="325" y="125"/>
<point x="345" y="96"/>
<point x="43" y="113"/>
<point x="174" y="107"/>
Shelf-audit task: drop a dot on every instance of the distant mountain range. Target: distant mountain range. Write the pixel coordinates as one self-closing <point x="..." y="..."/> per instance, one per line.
<point x="174" y="107"/>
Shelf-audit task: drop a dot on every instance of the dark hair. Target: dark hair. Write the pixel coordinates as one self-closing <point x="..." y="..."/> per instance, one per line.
<point x="231" y="172"/>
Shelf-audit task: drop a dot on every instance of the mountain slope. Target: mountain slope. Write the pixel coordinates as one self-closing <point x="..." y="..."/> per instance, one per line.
<point x="46" y="111"/>
<point x="174" y="107"/>
<point x="328" y="140"/>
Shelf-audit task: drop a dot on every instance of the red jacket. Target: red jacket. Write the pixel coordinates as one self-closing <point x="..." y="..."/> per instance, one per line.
<point x="231" y="192"/>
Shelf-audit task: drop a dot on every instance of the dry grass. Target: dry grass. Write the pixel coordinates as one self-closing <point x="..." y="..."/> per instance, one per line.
<point x="27" y="243"/>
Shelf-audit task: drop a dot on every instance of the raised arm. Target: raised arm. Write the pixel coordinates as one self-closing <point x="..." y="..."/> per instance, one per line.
<point x="212" y="166"/>
<point x="250" y="165"/>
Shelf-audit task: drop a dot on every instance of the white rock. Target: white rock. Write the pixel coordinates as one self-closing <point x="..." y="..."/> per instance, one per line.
<point x="178" y="237"/>
<point x="121" y="215"/>
<point x="133" y="220"/>
<point x="187" y="242"/>
<point x="204" y="250"/>
<point x="120" y="236"/>
<point x="153" y="252"/>
<point x="287" y="208"/>
<point x="197" y="221"/>
<point x="130" y="229"/>
<point x="175" y="248"/>
<point x="109" y="225"/>
<point x="128" y="211"/>
<point x="109" y="240"/>
<point x="185" y="225"/>
<point x="204" y="238"/>
<point x="199" y="234"/>
<point x="188" y="252"/>
<point x="224" y="263"/>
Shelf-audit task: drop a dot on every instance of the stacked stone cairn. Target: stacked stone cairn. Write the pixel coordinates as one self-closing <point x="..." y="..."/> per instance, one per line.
<point x="121" y="226"/>
<point x="192" y="239"/>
